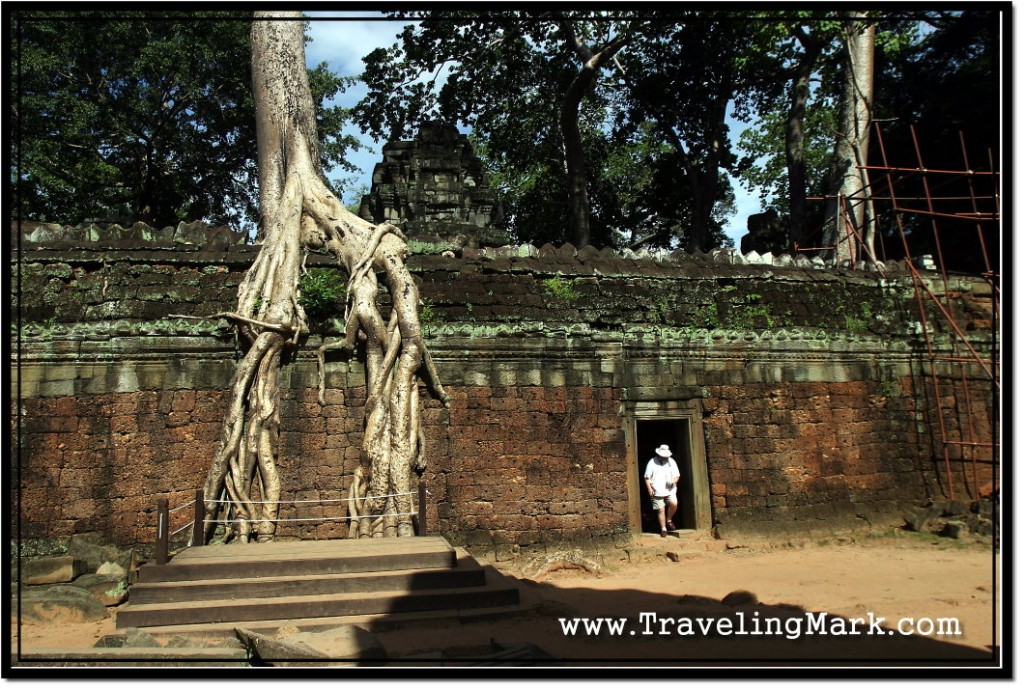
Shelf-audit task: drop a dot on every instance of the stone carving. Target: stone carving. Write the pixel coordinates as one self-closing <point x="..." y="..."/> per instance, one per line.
<point x="434" y="185"/>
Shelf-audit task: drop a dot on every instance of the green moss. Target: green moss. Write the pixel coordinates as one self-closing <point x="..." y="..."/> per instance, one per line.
<point x="752" y="314"/>
<point x="889" y="388"/>
<point x="428" y="315"/>
<point x="707" y="317"/>
<point x="563" y="289"/>
<point x="420" y="247"/>
<point x="858" y="323"/>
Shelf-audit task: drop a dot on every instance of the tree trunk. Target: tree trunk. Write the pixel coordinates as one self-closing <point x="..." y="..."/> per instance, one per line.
<point x="796" y="166"/>
<point x="845" y="221"/>
<point x="706" y="189"/>
<point x="298" y="213"/>
<point x="575" y="160"/>
<point x="569" y="123"/>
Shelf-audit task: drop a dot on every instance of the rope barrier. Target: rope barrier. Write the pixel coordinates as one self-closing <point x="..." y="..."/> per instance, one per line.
<point x="296" y="520"/>
<point x="187" y="525"/>
<point x="183" y="506"/>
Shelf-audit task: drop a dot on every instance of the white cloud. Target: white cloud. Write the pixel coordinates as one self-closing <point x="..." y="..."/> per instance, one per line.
<point x="342" y="42"/>
<point x="341" y="39"/>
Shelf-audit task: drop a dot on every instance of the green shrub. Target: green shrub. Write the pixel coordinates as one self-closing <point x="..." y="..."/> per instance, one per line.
<point x="322" y="293"/>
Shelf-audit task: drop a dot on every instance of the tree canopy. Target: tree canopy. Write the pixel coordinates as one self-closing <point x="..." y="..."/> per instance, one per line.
<point x="508" y="77"/>
<point x="143" y="116"/>
<point x="608" y="127"/>
<point x="653" y="122"/>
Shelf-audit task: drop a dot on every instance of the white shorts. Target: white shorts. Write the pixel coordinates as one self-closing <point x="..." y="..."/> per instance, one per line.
<point x="659" y="502"/>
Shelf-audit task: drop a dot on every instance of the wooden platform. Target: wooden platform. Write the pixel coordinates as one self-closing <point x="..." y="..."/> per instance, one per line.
<point x="309" y="580"/>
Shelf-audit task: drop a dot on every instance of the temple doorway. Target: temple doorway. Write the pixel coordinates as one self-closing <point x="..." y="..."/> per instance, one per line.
<point x="678" y="426"/>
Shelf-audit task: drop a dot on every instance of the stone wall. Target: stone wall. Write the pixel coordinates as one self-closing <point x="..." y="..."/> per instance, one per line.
<point x="804" y="390"/>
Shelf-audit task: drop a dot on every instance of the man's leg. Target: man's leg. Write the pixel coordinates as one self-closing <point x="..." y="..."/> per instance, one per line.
<point x="670" y="512"/>
<point x="661" y="515"/>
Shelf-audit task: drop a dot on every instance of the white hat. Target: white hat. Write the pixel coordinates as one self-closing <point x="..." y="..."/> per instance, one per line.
<point x="663" y="451"/>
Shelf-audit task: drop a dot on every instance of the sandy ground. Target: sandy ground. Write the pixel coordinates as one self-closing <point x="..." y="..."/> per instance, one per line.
<point x="879" y="580"/>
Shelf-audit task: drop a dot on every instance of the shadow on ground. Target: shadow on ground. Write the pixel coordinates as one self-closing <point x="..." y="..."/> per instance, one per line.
<point x="689" y="630"/>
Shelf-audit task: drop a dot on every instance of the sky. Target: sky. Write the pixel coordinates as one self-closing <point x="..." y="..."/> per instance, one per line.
<point x="343" y="41"/>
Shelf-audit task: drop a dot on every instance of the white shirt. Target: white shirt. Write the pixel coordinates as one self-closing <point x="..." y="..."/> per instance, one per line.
<point x="662" y="476"/>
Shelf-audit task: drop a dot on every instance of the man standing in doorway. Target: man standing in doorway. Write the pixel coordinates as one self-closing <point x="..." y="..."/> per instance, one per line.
<point x="662" y="477"/>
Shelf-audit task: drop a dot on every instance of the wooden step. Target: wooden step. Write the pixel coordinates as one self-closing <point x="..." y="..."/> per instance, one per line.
<point x="302" y="607"/>
<point x="302" y="558"/>
<point x="463" y="576"/>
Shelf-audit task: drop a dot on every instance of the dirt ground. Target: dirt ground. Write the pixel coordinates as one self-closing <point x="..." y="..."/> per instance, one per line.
<point x="881" y="580"/>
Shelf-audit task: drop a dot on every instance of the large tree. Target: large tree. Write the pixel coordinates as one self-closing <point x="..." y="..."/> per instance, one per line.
<point x="515" y="78"/>
<point x="143" y="116"/>
<point x="299" y="213"/>
<point x="800" y="48"/>
<point x="848" y="216"/>
<point x="542" y="93"/>
<point x="681" y="74"/>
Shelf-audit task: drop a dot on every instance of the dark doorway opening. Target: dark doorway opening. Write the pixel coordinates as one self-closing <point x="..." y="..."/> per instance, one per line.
<point x="650" y="434"/>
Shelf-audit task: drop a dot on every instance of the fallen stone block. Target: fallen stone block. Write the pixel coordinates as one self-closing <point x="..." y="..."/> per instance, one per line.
<point x="110" y="590"/>
<point x="60" y="604"/>
<point x="983" y="507"/>
<point x="50" y="570"/>
<point x="180" y="641"/>
<point x="342" y="646"/>
<point x="131" y="637"/>
<point x="267" y="651"/>
<point x="129" y="560"/>
<point x="135" y="657"/>
<point x="111" y="568"/>
<point x="985" y="528"/>
<point x="954" y="529"/>
<point x="918" y="519"/>
<point x="93" y="555"/>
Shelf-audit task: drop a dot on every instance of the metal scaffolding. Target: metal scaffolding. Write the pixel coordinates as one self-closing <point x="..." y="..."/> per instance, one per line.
<point x="963" y="201"/>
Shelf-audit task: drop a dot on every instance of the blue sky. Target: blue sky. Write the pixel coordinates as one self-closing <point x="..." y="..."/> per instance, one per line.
<point x="342" y="45"/>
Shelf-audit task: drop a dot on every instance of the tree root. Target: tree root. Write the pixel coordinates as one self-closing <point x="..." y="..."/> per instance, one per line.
<point x="300" y="213"/>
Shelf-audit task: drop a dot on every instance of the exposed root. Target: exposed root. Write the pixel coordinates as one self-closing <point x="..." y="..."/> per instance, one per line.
<point x="299" y="214"/>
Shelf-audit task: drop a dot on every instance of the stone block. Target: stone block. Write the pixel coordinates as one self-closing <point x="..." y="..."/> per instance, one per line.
<point x="51" y="570"/>
<point x="131" y="637"/>
<point x="59" y="604"/>
<point x="110" y="590"/>
<point x="954" y="529"/>
<point x="93" y="554"/>
<point x="111" y="568"/>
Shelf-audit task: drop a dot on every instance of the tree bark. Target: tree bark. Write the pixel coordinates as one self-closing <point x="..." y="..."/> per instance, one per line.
<point x="576" y="161"/>
<point x="796" y="166"/>
<point x="569" y="123"/>
<point x="846" y="217"/>
<point x="299" y="213"/>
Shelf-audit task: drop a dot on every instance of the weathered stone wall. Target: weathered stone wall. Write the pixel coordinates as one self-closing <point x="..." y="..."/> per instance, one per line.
<point x="808" y="389"/>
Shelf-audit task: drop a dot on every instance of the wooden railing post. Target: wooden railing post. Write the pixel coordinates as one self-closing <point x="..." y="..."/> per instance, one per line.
<point x="421" y="509"/>
<point x="162" y="531"/>
<point x="198" y="527"/>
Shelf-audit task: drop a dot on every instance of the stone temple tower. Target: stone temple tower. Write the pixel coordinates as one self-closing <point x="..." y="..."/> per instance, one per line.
<point x="434" y="186"/>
